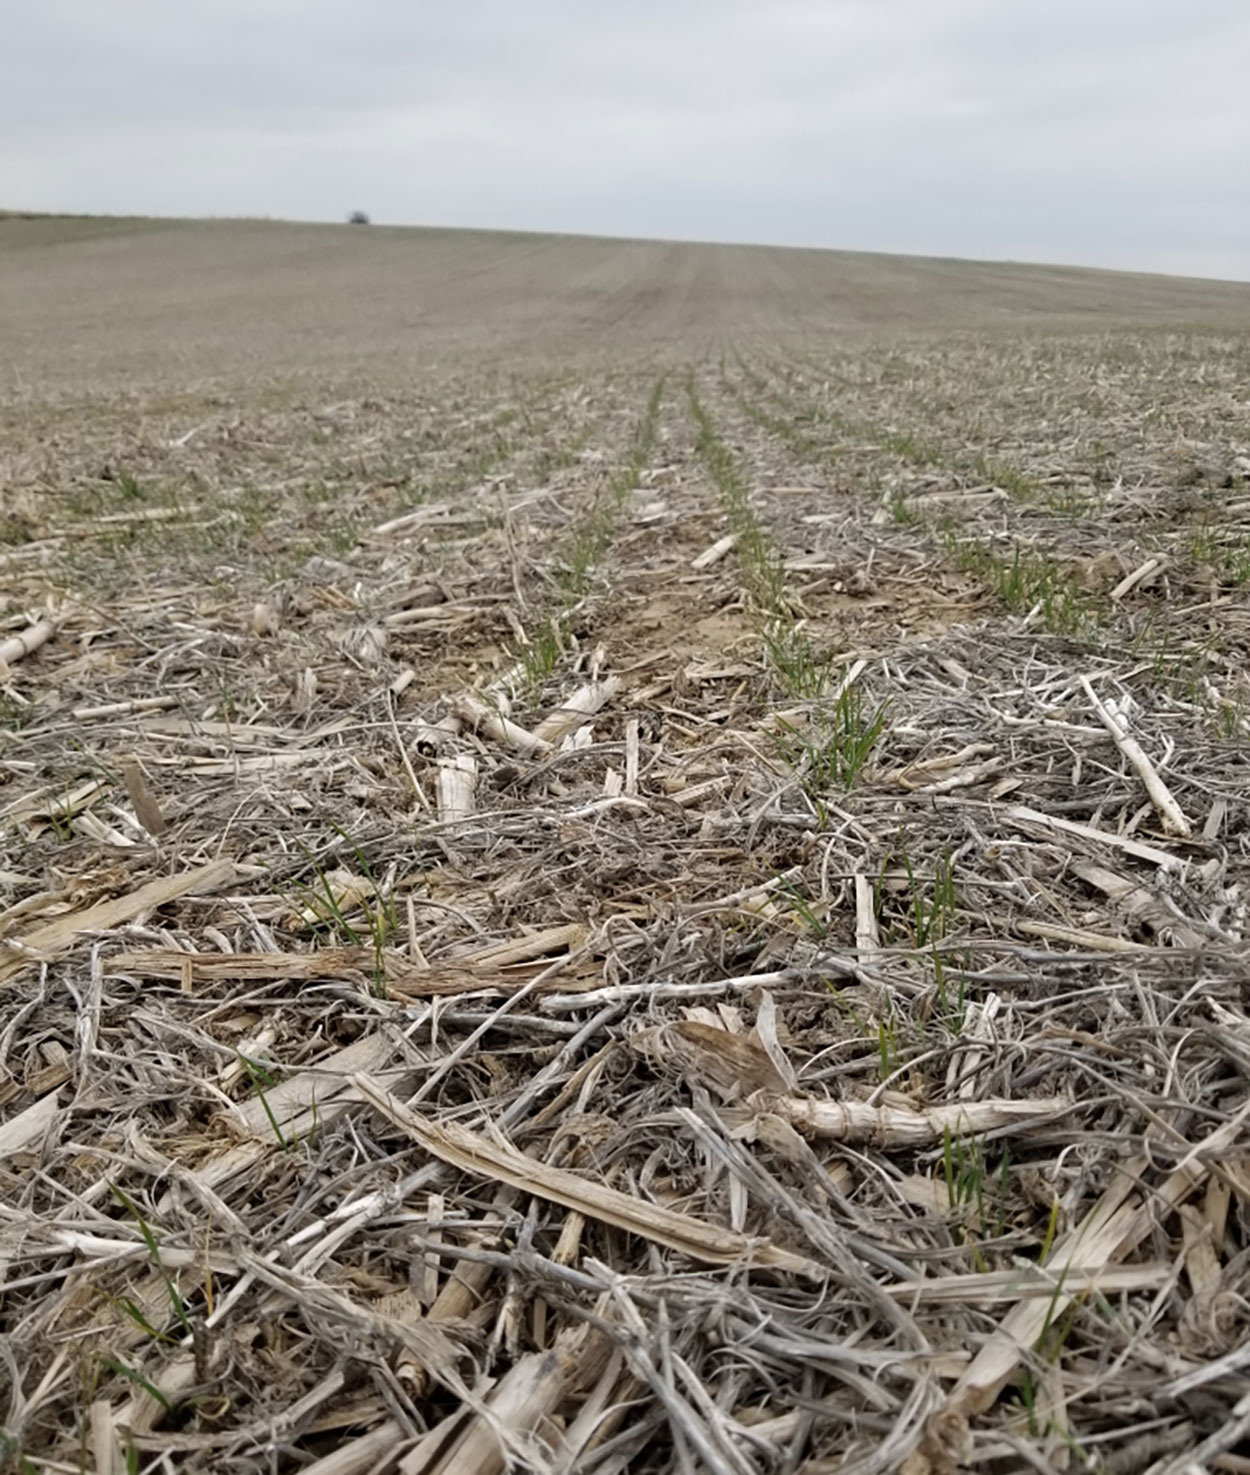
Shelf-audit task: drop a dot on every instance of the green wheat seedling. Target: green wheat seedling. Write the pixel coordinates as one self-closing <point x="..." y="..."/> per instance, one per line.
<point x="1231" y="722"/>
<point x="904" y="513"/>
<point x="61" y="821"/>
<point x="803" y="909"/>
<point x="320" y="908"/>
<point x="1026" y="582"/>
<point x="855" y="734"/>
<point x="1067" y="501"/>
<point x="381" y="916"/>
<point x="910" y="448"/>
<point x="1235" y="565"/>
<point x="14" y="713"/>
<point x="932" y="914"/>
<point x="1056" y="1332"/>
<point x="800" y="669"/>
<point x="542" y="656"/>
<point x="761" y="563"/>
<point x="832" y="754"/>
<point x="1003" y="1191"/>
<point x="1021" y="582"/>
<point x="318" y="899"/>
<point x="260" y="1078"/>
<point x="11" y="1456"/>
<point x="1005" y="475"/>
<point x="972" y="1186"/>
<point x="16" y="529"/>
<point x="952" y="1010"/>
<point x="1057" y="1327"/>
<point x="963" y="1167"/>
<point x="115" y="1365"/>
<point x="784" y="430"/>
<point x="588" y="543"/>
<point x="176" y="1304"/>
<point x="1050" y="1234"/>
<point x="888" y="1051"/>
<point x="784" y="420"/>
<point x="1223" y="552"/>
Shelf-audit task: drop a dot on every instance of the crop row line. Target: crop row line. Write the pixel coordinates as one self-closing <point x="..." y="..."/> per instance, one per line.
<point x="546" y="637"/>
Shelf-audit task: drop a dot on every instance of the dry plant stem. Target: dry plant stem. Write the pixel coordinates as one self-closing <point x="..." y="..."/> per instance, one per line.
<point x="713" y="554"/>
<point x="1174" y="822"/>
<point x="501" y="729"/>
<point x="105" y="1445"/>
<point x="1209" y="1449"/>
<point x="1131" y="580"/>
<point x="28" y="1127"/>
<point x="17" y="646"/>
<point x="407" y="762"/>
<point x="125" y="709"/>
<point x="1012" y="1285"/>
<point x="1078" y="938"/>
<point x="145" y="802"/>
<point x="1113" y="1229"/>
<point x="583" y="703"/>
<point x="867" y="935"/>
<point x="633" y="754"/>
<point x="1151" y="853"/>
<point x="53" y="937"/>
<point x="530" y="1393"/>
<point x="457" y="778"/>
<point x="475" y="1153"/>
<point x="897" y="1127"/>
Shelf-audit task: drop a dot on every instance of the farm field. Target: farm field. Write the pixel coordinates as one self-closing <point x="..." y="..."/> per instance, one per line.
<point x="618" y="856"/>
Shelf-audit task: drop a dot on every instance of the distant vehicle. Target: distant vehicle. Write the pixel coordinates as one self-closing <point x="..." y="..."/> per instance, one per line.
<point x="358" y="217"/>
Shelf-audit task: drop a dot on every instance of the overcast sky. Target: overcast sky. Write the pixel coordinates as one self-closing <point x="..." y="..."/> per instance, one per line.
<point x="1106" y="132"/>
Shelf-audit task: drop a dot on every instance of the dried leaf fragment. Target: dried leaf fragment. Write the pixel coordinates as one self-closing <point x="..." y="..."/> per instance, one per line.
<point x="143" y="799"/>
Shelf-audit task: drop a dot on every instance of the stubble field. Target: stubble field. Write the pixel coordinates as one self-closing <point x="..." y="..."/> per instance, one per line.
<point x="618" y="857"/>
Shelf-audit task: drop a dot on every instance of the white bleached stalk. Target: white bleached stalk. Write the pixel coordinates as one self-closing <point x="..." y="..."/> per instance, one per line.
<point x="123" y="709"/>
<point x="632" y="756"/>
<point x="867" y="937"/>
<point x="1131" y="581"/>
<point x="21" y="644"/>
<point x="900" y="1126"/>
<point x="478" y="715"/>
<point x="1174" y="822"/>
<point x="715" y="553"/>
<point x="456" y="780"/>
<point x="584" y="702"/>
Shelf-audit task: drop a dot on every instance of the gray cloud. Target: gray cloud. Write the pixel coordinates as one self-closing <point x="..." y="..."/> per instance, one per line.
<point x="1102" y="131"/>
